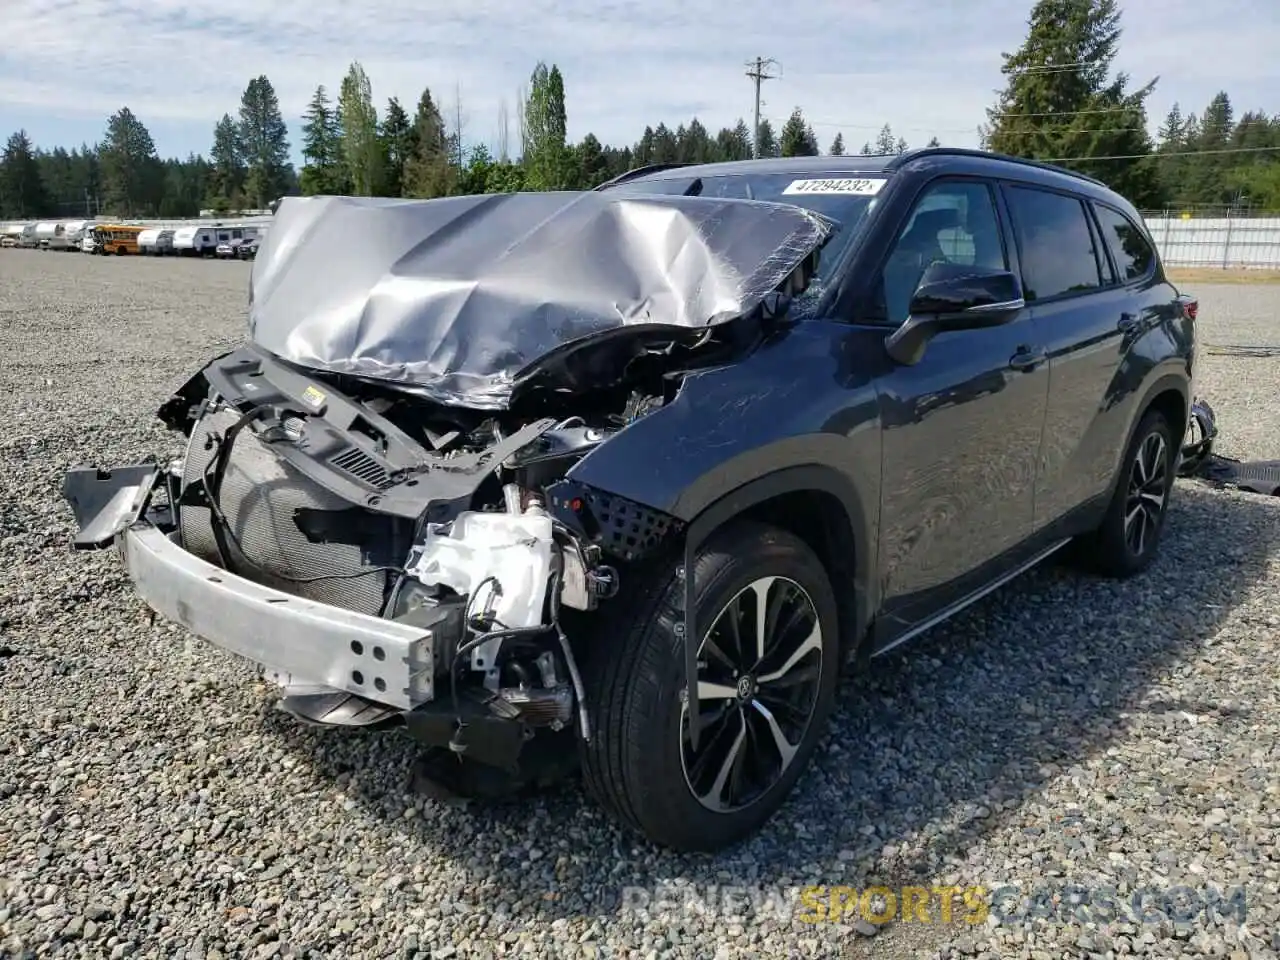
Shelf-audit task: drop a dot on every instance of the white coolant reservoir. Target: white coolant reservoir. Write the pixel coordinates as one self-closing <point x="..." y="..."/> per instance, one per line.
<point x="514" y="549"/>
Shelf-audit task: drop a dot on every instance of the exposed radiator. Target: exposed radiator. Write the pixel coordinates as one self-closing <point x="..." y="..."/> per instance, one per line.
<point x="259" y="495"/>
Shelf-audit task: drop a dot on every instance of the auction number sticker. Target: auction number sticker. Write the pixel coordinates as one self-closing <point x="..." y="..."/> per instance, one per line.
<point x="859" y="187"/>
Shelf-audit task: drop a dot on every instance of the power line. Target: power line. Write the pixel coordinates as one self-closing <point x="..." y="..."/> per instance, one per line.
<point x="1051" y="68"/>
<point x="1063" y="113"/>
<point x="1166" y="156"/>
<point x="756" y="71"/>
<point x="969" y="129"/>
<point x="870" y="126"/>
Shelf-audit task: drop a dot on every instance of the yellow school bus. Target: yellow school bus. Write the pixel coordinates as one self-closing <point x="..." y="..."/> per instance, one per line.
<point x="116" y="238"/>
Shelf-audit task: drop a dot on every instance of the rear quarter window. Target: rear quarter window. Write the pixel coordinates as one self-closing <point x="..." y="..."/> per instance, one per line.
<point x="1133" y="255"/>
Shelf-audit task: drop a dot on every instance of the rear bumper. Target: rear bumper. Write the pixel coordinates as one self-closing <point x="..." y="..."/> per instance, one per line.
<point x="294" y="640"/>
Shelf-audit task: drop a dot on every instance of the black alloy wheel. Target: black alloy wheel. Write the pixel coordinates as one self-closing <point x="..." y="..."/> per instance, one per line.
<point x="759" y="673"/>
<point x="767" y="669"/>
<point x="1127" y="540"/>
<point x="1148" y="493"/>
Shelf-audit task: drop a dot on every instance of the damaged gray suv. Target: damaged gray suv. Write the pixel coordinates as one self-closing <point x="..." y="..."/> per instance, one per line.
<point x="629" y="475"/>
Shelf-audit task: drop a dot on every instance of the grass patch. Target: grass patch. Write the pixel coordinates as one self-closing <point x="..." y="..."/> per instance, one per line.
<point x="1216" y="275"/>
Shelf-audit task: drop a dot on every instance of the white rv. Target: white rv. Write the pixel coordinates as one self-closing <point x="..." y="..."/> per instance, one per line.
<point x="59" y="239"/>
<point x="50" y="235"/>
<point x="155" y="242"/>
<point x="195" y="241"/>
<point x="75" y="231"/>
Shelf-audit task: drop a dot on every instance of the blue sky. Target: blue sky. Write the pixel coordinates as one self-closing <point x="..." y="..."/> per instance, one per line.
<point x="927" y="68"/>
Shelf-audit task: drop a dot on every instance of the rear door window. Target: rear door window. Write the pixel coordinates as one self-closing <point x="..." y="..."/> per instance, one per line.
<point x="1059" y="256"/>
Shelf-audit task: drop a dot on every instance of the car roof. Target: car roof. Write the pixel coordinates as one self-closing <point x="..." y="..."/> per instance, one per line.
<point x="860" y="165"/>
<point x="958" y="160"/>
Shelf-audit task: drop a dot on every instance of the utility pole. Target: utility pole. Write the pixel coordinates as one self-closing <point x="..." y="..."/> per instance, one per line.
<point x="756" y="72"/>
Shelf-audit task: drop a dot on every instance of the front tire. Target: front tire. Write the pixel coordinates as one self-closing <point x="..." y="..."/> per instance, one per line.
<point x="766" y="687"/>
<point x="1128" y="539"/>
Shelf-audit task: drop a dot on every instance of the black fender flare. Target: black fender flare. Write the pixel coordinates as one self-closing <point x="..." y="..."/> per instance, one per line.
<point x="795" y="479"/>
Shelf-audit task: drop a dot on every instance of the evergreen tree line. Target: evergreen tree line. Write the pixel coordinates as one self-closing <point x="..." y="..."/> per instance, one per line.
<point x="1061" y="103"/>
<point x="350" y="148"/>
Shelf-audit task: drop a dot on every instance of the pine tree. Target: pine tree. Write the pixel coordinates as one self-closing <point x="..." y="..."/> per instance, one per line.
<point x="665" y="147"/>
<point x="322" y="172"/>
<point x="886" y="142"/>
<point x="228" y="175"/>
<point x="361" y="151"/>
<point x="644" y="148"/>
<point x="1060" y="102"/>
<point x="734" y="143"/>
<point x="396" y="139"/>
<point x="428" y="172"/>
<point x="22" y="191"/>
<point x="695" y="145"/>
<point x="593" y="167"/>
<point x="767" y="140"/>
<point x="264" y="142"/>
<point x="545" y="157"/>
<point x="1172" y="131"/>
<point x="797" y="139"/>
<point x="837" y="146"/>
<point x="1206" y="178"/>
<point x="933" y="142"/>
<point x="132" y="175"/>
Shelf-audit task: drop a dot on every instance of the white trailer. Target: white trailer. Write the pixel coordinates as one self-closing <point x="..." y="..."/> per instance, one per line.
<point x="59" y="240"/>
<point x="148" y="244"/>
<point x="75" y="231"/>
<point x="28" y="238"/>
<point x="50" y="235"/>
<point x="195" y="241"/>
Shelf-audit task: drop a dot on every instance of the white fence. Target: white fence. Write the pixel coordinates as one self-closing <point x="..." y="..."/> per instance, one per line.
<point x="1225" y="242"/>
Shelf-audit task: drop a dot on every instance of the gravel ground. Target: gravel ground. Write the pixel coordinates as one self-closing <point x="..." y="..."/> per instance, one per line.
<point x="1064" y="735"/>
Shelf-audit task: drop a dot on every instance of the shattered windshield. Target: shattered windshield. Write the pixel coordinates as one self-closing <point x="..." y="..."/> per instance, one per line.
<point x="844" y="197"/>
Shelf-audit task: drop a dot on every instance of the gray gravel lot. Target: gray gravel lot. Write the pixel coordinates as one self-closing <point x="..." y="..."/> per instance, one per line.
<point x="1067" y="733"/>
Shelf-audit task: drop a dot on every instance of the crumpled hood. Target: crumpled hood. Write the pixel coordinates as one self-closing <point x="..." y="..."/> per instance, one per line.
<point x="457" y="298"/>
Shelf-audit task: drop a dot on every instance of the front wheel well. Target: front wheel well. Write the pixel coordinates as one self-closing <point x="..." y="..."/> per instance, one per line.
<point x="819" y="519"/>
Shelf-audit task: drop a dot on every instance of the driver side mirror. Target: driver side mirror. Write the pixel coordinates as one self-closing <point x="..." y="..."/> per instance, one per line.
<point x="954" y="297"/>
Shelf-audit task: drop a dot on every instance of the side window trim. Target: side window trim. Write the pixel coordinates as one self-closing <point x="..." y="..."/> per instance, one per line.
<point x="1108" y="268"/>
<point x="1097" y="205"/>
<point x="1005" y="185"/>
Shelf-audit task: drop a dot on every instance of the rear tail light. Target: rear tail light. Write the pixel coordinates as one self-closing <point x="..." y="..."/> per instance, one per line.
<point x="1190" y="306"/>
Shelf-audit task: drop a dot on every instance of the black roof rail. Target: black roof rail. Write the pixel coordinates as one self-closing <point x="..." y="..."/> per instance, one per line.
<point x="635" y="172"/>
<point x="919" y="152"/>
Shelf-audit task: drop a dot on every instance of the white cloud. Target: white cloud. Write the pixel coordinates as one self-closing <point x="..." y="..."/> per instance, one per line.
<point x="924" y="67"/>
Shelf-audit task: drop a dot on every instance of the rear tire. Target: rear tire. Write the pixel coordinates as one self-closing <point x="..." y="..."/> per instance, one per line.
<point x="768" y="715"/>
<point x="1128" y="539"/>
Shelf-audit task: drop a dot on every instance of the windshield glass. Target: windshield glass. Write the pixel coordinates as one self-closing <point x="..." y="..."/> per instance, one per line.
<point x="844" y="197"/>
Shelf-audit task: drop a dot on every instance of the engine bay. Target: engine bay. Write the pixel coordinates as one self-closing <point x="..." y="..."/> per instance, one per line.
<point x="390" y="504"/>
